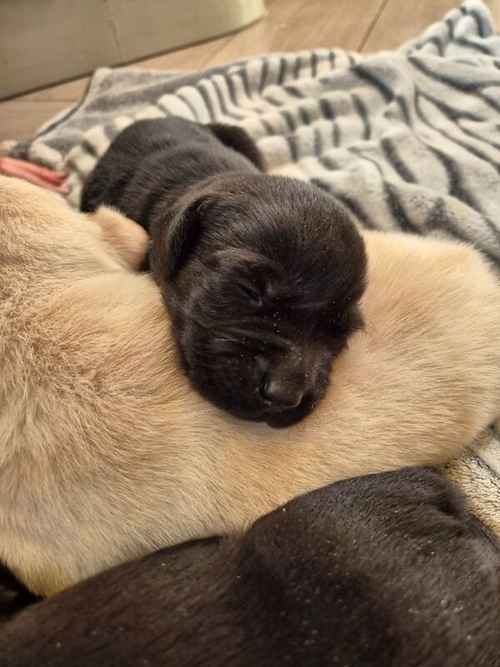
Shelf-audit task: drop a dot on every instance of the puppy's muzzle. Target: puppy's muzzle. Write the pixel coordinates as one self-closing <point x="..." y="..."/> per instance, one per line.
<point x="283" y="384"/>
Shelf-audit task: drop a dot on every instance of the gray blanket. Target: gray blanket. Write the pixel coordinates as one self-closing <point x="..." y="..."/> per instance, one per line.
<point x="408" y="140"/>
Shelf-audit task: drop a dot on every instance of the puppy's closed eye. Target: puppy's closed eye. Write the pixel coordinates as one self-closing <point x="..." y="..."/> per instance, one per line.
<point x="254" y="294"/>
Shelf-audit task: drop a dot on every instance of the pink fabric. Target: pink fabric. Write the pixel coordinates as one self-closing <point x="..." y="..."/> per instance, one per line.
<point x="45" y="178"/>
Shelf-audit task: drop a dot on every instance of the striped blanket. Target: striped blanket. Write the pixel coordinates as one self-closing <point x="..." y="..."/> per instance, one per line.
<point x="408" y="140"/>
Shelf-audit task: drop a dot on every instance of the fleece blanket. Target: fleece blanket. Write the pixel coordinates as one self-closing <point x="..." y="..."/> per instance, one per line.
<point x="407" y="139"/>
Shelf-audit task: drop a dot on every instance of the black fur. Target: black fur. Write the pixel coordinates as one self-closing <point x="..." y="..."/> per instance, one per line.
<point x="13" y="596"/>
<point x="261" y="274"/>
<point x="381" y="571"/>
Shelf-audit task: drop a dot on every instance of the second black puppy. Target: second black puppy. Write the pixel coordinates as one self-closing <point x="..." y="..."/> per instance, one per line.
<point x="261" y="274"/>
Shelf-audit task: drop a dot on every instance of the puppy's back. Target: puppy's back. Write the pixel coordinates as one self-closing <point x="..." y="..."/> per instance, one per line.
<point x="152" y="158"/>
<point x="435" y="304"/>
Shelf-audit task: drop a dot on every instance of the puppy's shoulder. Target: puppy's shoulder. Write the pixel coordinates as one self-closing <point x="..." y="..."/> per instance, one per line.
<point x="384" y="246"/>
<point x="428" y="263"/>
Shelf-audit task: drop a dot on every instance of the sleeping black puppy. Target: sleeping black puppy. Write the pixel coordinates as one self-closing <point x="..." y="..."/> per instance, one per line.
<point x="261" y="274"/>
<point x="386" y="570"/>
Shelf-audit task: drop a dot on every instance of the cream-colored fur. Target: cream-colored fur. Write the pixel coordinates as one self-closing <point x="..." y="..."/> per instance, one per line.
<point x="478" y="483"/>
<point x="105" y="451"/>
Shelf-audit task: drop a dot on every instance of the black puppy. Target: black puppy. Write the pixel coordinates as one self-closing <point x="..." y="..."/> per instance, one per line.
<point x="386" y="570"/>
<point x="261" y="274"/>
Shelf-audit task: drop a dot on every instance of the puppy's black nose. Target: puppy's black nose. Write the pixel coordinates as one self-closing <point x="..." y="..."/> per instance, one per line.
<point x="281" y="394"/>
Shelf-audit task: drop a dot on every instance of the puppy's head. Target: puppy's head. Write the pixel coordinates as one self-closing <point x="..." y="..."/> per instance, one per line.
<point x="262" y="276"/>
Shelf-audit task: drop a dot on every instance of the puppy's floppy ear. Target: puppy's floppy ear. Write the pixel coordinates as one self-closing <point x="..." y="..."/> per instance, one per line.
<point x="183" y="235"/>
<point x="239" y="140"/>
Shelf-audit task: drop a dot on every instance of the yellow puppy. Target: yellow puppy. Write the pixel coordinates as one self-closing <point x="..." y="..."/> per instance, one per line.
<point x="105" y="451"/>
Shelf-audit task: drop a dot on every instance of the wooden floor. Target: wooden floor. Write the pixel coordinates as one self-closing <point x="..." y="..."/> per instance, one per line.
<point x="359" y="25"/>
